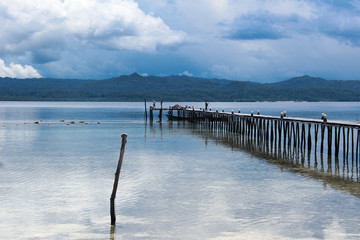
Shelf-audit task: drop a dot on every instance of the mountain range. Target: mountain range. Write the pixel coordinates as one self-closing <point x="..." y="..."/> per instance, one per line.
<point x="136" y="87"/>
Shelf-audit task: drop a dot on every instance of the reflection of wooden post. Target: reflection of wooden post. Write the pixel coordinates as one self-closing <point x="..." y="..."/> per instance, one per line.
<point x="112" y="232"/>
<point x="117" y="174"/>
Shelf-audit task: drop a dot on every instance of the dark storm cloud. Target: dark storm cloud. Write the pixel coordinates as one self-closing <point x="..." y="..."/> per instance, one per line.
<point x="263" y="25"/>
<point x="340" y="21"/>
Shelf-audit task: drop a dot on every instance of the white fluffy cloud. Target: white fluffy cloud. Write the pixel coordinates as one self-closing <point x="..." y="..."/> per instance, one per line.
<point x="118" y="24"/>
<point x="17" y="71"/>
<point x="42" y="30"/>
<point x="186" y="73"/>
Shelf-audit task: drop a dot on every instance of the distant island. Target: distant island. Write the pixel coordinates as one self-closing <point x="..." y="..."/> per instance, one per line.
<point x="135" y="87"/>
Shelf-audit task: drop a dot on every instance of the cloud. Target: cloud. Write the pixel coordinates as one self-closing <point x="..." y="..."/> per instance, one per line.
<point x="119" y="25"/>
<point x="186" y="73"/>
<point x="344" y="27"/>
<point x="42" y="30"/>
<point x="265" y="22"/>
<point x="263" y="25"/>
<point x="230" y="72"/>
<point x="17" y="71"/>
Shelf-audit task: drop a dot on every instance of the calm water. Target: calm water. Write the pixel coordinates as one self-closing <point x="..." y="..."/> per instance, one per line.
<point x="176" y="182"/>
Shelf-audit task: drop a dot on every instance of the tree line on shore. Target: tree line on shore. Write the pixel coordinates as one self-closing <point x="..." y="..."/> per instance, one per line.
<point x="135" y="87"/>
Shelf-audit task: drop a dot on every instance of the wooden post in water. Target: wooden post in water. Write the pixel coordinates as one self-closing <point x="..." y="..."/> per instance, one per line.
<point x="347" y="143"/>
<point x="286" y="126"/>
<point x="337" y="141"/>
<point x="322" y="139"/>
<point x="116" y="180"/>
<point x="160" y="113"/>
<point x="309" y="137"/>
<point x="316" y="136"/>
<point x="352" y="144"/>
<point x="357" y="146"/>
<point x="344" y="143"/>
<point x="272" y="132"/>
<point x="145" y="110"/>
<point x="329" y="140"/>
<point x="151" y="114"/>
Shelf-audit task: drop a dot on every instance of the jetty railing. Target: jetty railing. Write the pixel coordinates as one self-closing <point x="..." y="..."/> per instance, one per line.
<point x="334" y="140"/>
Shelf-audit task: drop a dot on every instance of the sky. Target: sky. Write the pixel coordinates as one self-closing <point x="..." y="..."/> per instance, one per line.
<point x="246" y="40"/>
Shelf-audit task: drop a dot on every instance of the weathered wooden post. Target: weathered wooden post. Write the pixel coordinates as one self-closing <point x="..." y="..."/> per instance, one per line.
<point x="151" y="114"/>
<point x="357" y="146"/>
<point x="337" y="141"/>
<point x="309" y="137"/>
<point x="330" y="140"/>
<point x="272" y="132"/>
<point x="303" y="137"/>
<point x="286" y="129"/>
<point x="297" y="134"/>
<point x="322" y="138"/>
<point x="116" y="180"/>
<point x="316" y="136"/>
<point x="347" y="143"/>
<point x="160" y="113"/>
<point x="145" y="110"/>
<point x="352" y="144"/>
<point x="280" y="130"/>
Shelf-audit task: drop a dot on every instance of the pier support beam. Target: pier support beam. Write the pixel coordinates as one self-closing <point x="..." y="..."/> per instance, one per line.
<point x="151" y="115"/>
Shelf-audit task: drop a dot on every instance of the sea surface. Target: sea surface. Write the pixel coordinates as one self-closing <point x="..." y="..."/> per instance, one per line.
<point x="176" y="182"/>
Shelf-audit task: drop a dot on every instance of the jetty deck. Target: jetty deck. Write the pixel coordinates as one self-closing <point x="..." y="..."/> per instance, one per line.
<point x="188" y="113"/>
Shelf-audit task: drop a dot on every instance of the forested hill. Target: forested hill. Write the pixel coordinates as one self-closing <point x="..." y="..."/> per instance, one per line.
<point x="135" y="87"/>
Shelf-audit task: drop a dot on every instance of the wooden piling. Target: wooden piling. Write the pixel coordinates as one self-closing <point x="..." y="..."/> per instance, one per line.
<point x="303" y="136"/>
<point x="280" y="129"/>
<point x="151" y="115"/>
<point x="337" y="141"/>
<point x="316" y="136"/>
<point x="160" y="112"/>
<point x="145" y="110"/>
<point x="291" y="131"/>
<point x="294" y="134"/>
<point x="116" y="180"/>
<point x="329" y="140"/>
<point x="309" y="138"/>
<point x="322" y="139"/>
<point x="297" y="134"/>
<point x="344" y="143"/>
<point x="357" y="145"/>
<point x="352" y="144"/>
<point x="286" y="126"/>
<point x="347" y="143"/>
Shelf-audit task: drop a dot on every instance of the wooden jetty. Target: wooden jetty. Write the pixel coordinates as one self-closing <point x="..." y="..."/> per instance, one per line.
<point x="336" y="139"/>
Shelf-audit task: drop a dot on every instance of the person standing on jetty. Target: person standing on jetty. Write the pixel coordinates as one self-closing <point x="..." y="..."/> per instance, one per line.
<point x="206" y="105"/>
